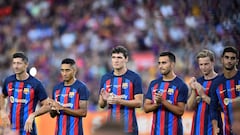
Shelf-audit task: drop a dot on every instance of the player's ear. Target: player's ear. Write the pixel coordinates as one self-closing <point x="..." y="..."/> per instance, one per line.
<point x="126" y="59"/>
<point x="27" y="64"/>
<point x="74" y="68"/>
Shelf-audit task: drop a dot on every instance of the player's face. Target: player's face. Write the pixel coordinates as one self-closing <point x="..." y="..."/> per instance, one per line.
<point x="165" y="65"/>
<point x="67" y="72"/>
<point x="118" y="61"/>
<point x="236" y="123"/>
<point x="206" y="65"/>
<point x="19" y="66"/>
<point x="229" y="60"/>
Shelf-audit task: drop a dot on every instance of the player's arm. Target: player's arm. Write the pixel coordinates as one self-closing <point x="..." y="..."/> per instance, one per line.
<point x="2" y="102"/>
<point x="135" y="103"/>
<point x="3" y="112"/>
<point x="149" y="106"/>
<point x="81" y="112"/>
<point x="213" y="111"/>
<point x="215" y="127"/>
<point x="102" y="100"/>
<point x="202" y="94"/>
<point x="45" y="107"/>
<point x="192" y="102"/>
<point x="138" y="96"/>
<point x="177" y="109"/>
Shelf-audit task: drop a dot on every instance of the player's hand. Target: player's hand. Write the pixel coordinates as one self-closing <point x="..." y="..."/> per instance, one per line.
<point x="112" y="99"/>
<point x="29" y="123"/>
<point x="198" y="99"/>
<point x="5" y="120"/>
<point x="158" y="98"/>
<point x="199" y="89"/>
<point x="215" y="130"/>
<point x="192" y="82"/>
<point x="104" y="94"/>
<point x="50" y="102"/>
<point x="56" y="107"/>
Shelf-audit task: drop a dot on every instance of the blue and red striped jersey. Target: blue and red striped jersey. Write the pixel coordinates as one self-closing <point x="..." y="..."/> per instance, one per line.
<point x="125" y="86"/>
<point x="23" y="98"/>
<point x="69" y="96"/>
<point x="202" y="124"/>
<point x="223" y="90"/>
<point x="164" y="121"/>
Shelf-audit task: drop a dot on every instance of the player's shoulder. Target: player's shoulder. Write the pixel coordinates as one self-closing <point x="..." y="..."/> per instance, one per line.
<point x="219" y="78"/>
<point x="34" y="81"/>
<point x="132" y="74"/>
<point x="200" y="79"/>
<point x="80" y="83"/>
<point x="180" y="82"/>
<point x="217" y="81"/>
<point x="107" y="76"/>
<point x="155" y="81"/>
<point x="58" y="85"/>
<point x="10" y="78"/>
<point x="238" y="74"/>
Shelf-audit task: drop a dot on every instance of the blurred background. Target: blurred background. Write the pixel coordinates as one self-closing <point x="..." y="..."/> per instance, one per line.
<point x="86" y="30"/>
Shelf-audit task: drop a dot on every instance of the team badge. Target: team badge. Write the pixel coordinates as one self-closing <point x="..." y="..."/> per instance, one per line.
<point x="71" y="94"/>
<point x="26" y="90"/>
<point x="237" y="87"/>
<point x="11" y="99"/>
<point x="125" y="85"/>
<point x="170" y="91"/>
<point x="227" y="101"/>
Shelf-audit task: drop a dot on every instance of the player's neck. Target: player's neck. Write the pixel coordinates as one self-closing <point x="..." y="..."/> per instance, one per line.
<point x="119" y="72"/>
<point x="70" y="82"/>
<point x="230" y="73"/>
<point x="22" y="76"/>
<point x="169" y="77"/>
<point x="210" y="76"/>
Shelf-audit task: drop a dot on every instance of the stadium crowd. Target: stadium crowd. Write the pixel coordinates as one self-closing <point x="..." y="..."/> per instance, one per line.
<point x="50" y="30"/>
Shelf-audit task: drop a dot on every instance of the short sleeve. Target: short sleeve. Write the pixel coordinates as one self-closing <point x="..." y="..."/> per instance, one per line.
<point x="149" y="92"/>
<point x="138" y="85"/>
<point x="183" y="93"/>
<point x="41" y="94"/>
<point x="4" y="89"/>
<point x="101" y="85"/>
<point x="214" y="102"/>
<point x="84" y="93"/>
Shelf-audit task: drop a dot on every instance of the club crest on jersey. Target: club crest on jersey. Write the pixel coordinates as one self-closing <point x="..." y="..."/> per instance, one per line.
<point x="227" y="101"/>
<point x="26" y="90"/>
<point x="237" y="87"/>
<point x="71" y="94"/>
<point x="170" y="91"/>
<point x="125" y="85"/>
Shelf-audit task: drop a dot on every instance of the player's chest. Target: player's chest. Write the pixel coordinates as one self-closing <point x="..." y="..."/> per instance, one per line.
<point x="66" y="94"/>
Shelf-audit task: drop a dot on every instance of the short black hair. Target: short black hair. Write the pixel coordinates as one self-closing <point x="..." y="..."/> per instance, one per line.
<point x="232" y="50"/>
<point x="20" y="55"/>
<point x="68" y="61"/>
<point x="170" y="55"/>
<point x="120" y="49"/>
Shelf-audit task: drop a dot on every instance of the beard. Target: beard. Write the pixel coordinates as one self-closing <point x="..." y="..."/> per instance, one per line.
<point x="166" y="72"/>
<point x="229" y="68"/>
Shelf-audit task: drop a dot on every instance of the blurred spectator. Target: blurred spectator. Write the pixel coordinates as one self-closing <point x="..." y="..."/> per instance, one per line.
<point x="50" y="30"/>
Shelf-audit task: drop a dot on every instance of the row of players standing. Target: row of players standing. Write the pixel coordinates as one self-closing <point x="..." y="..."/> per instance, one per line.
<point x="121" y="92"/>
